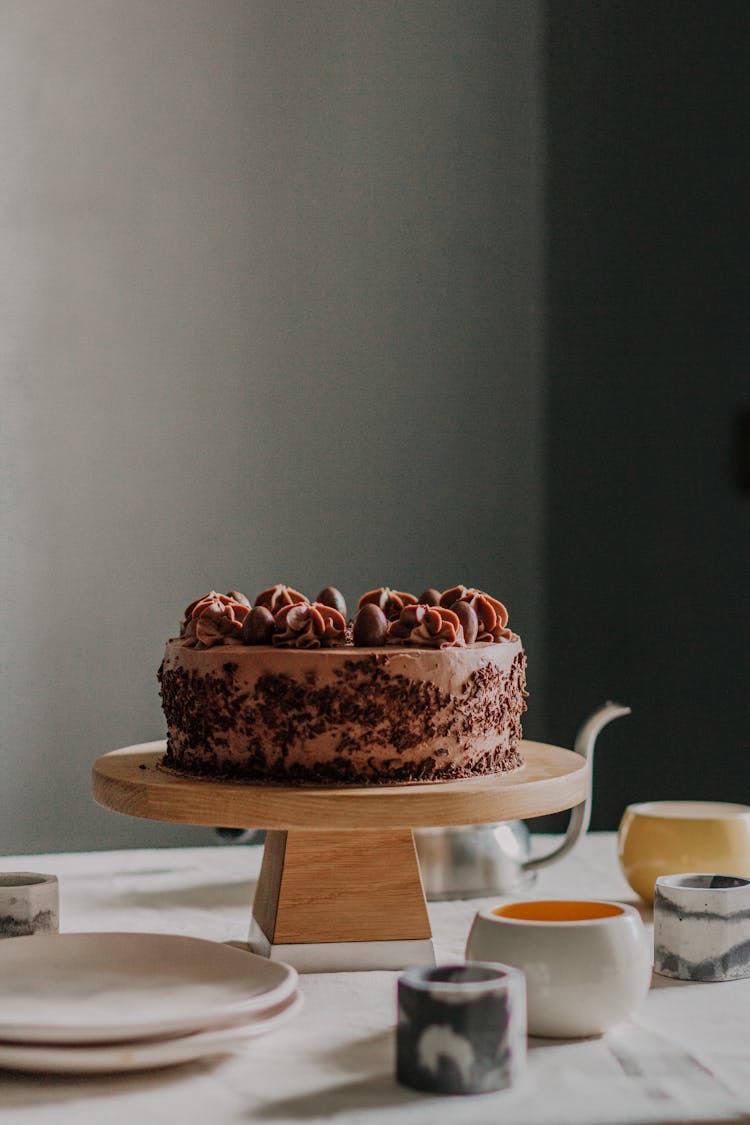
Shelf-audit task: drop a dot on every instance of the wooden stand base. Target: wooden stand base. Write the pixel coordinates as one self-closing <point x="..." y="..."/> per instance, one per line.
<point x="324" y="897"/>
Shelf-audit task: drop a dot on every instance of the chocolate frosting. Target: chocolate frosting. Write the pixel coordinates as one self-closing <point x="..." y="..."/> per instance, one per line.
<point x="390" y="601"/>
<point x="343" y="716"/>
<point x="278" y="596"/>
<point x="427" y="626"/>
<point x="214" y="619"/>
<point x="305" y="625"/>
<point x="492" y="614"/>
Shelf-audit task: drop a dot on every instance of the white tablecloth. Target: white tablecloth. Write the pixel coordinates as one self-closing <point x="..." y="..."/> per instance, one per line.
<point x="685" y="1058"/>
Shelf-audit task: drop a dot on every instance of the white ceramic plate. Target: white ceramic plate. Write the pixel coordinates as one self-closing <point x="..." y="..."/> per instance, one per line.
<point x="111" y="987"/>
<point x="150" y="1054"/>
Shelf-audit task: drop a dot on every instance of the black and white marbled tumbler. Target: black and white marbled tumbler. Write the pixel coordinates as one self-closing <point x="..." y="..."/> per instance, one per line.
<point x="461" y="1028"/>
<point x="29" y="904"/>
<point x="702" y="927"/>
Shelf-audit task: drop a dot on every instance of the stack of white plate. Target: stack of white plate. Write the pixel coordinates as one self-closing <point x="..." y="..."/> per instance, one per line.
<point x="107" y="1002"/>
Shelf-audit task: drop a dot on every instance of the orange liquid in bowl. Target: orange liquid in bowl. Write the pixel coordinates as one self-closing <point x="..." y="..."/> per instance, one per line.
<point x="558" y="911"/>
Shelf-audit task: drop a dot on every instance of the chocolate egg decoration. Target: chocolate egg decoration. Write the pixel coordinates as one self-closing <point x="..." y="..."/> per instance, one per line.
<point x="333" y="598"/>
<point x="257" y="628"/>
<point x="429" y="597"/>
<point x="370" y="626"/>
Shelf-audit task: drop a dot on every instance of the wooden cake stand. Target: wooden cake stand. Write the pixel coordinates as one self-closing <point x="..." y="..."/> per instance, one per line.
<point x="339" y="886"/>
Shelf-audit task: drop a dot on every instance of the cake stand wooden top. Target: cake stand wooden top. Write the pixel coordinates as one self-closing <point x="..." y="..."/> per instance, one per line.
<point x="130" y="781"/>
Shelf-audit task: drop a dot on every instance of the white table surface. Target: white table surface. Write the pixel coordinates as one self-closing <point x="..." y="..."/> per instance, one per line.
<point x="686" y="1057"/>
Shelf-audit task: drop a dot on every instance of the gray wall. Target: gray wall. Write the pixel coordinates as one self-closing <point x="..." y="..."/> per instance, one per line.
<point x="270" y="310"/>
<point x="648" y="109"/>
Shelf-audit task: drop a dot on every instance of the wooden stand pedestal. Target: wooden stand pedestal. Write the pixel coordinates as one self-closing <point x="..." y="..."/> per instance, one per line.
<point x="331" y="900"/>
<point x="340" y="886"/>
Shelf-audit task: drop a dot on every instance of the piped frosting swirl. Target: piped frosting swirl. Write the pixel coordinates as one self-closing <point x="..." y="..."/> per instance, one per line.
<point x="214" y="619"/>
<point x="492" y="614"/>
<point x="426" y="626"/>
<point x="390" y="601"/>
<point x="308" y="625"/>
<point x="278" y="596"/>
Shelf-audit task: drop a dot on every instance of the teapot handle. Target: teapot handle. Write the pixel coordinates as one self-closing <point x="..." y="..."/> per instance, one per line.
<point x="581" y="814"/>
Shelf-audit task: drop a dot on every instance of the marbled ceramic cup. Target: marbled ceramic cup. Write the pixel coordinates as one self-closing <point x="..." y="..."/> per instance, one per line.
<point x="702" y="927"/>
<point x="587" y="963"/>
<point x="461" y="1028"/>
<point x="28" y="904"/>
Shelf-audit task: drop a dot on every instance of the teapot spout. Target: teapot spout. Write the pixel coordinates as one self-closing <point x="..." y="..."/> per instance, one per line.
<point x="580" y="816"/>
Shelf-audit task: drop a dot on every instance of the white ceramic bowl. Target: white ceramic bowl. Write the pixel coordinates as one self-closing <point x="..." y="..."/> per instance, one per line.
<point x="587" y="963"/>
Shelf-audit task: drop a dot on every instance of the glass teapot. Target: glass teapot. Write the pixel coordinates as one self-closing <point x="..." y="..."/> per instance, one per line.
<point x="476" y="860"/>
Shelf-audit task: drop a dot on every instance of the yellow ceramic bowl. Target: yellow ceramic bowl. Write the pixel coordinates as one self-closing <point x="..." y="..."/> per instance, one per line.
<point x="671" y="837"/>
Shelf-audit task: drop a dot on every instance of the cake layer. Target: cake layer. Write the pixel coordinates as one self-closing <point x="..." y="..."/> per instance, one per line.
<point x="343" y="714"/>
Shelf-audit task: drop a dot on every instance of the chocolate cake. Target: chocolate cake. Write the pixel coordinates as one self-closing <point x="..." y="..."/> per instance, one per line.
<point x="287" y="691"/>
